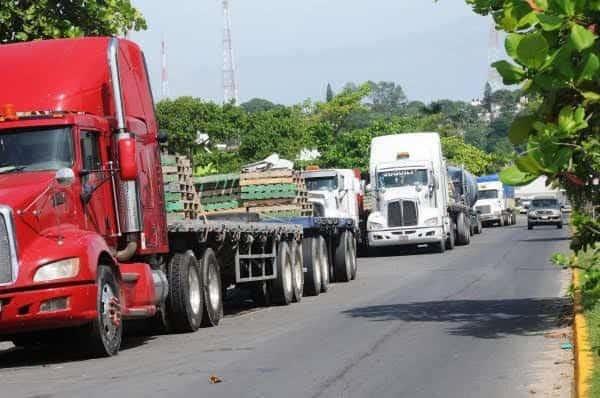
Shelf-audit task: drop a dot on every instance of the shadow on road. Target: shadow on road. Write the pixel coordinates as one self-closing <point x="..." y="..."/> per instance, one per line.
<point x="485" y="319"/>
<point x="555" y="239"/>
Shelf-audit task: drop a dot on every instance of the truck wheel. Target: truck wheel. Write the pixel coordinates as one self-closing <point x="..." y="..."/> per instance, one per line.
<point x="324" y="254"/>
<point x="451" y="241"/>
<point x="463" y="236"/>
<point x="281" y="288"/>
<point x="298" y="271"/>
<point x="502" y="223"/>
<point x="312" y="263"/>
<point x="529" y="226"/>
<point x="103" y="337"/>
<point x="211" y="287"/>
<point x="354" y="257"/>
<point x="479" y="226"/>
<point x="559" y="226"/>
<point x="343" y="258"/>
<point x="185" y="300"/>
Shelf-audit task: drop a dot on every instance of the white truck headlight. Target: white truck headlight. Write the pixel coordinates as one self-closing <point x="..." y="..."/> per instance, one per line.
<point x="431" y="221"/>
<point x="62" y="269"/>
<point x="375" y="226"/>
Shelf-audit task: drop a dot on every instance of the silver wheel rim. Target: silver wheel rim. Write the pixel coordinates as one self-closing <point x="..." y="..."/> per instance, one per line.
<point x="194" y="286"/>
<point x="287" y="275"/>
<point x="348" y="254"/>
<point x="108" y="326"/>
<point x="214" y="290"/>
<point x="324" y="264"/>
<point x="317" y="268"/>
<point x="298" y="269"/>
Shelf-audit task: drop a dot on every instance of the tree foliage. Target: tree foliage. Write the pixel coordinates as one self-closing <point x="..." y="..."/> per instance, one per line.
<point x="556" y="57"/>
<point x="22" y="20"/>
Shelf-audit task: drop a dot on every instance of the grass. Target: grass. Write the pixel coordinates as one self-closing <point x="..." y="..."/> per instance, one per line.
<point x="592" y="317"/>
<point x="591" y="304"/>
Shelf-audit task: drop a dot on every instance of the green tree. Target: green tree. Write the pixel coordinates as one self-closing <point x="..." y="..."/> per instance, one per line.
<point x="329" y="94"/>
<point x="45" y="19"/>
<point x="258" y="105"/>
<point x="386" y="97"/>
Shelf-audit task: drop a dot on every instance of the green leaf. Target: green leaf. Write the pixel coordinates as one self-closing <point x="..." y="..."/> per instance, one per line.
<point x="520" y="129"/>
<point x="515" y="177"/>
<point x="566" y="6"/>
<point x="563" y="61"/>
<point x="581" y="38"/>
<point x="511" y="43"/>
<point x="511" y="74"/>
<point x="591" y="96"/>
<point x="550" y="22"/>
<point x="594" y="5"/>
<point x="528" y="164"/>
<point x="532" y="50"/>
<point x="542" y="4"/>
<point x="589" y="67"/>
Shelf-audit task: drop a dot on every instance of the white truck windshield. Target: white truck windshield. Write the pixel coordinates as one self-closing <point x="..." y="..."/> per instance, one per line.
<point x="35" y="150"/>
<point x="402" y="178"/>
<point x="488" y="194"/>
<point x="322" y="184"/>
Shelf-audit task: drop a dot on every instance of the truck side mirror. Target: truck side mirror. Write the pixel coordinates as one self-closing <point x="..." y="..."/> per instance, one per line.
<point x="163" y="137"/>
<point x="127" y="159"/>
<point x="64" y="177"/>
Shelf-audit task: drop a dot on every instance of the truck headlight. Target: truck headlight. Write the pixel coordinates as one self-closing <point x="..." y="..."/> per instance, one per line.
<point x="62" y="269"/>
<point x="374" y="226"/>
<point x="431" y="221"/>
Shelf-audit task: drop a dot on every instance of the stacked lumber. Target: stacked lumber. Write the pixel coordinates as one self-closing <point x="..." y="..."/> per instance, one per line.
<point x="219" y="193"/>
<point x="181" y="199"/>
<point x="280" y="192"/>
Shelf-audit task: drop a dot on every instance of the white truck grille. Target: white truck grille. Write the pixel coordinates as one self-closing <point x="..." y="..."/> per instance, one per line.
<point x="6" y="272"/>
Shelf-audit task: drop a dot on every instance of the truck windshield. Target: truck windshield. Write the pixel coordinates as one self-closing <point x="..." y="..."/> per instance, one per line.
<point x="488" y="194"/>
<point x="544" y="203"/>
<point x="321" y="184"/>
<point x="35" y="150"/>
<point x="402" y="178"/>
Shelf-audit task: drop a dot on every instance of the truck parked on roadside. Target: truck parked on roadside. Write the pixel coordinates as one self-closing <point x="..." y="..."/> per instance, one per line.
<point x="464" y="194"/>
<point x="85" y="243"/>
<point x="410" y="184"/>
<point x="496" y="204"/>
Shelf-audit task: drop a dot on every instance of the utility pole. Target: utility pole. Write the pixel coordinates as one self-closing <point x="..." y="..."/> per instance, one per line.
<point x="230" y="84"/>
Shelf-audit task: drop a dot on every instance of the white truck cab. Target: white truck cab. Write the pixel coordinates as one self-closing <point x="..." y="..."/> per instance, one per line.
<point x="334" y="192"/>
<point x="495" y="204"/>
<point x="410" y="184"/>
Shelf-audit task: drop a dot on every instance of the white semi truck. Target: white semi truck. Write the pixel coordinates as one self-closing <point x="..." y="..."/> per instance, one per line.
<point x="410" y="183"/>
<point x="496" y="203"/>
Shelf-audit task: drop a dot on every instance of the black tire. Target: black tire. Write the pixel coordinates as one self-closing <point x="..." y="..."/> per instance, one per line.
<point x="354" y="257"/>
<point x="479" y="226"/>
<point x="282" y="291"/>
<point x="513" y="220"/>
<point x="312" y="263"/>
<point x="559" y="226"/>
<point x="325" y="266"/>
<point x="463" y="234"/>
<point x="185" y="300"/>
<point x="343" y="258"/>
<point x="451" y="241"/>
<point x="502" y="221"/>
<point x="103" y="337"/>
<point x="439" y="247"/>
<point x="529" y="226"/>
<point x="212" y="289"/>
<point x="297" y="271"/>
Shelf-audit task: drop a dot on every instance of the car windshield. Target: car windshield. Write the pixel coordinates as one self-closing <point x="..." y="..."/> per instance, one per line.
<point x="488" y="194"/>
<point x="402" y="178"/>
<point x="321" y="183"/>
<point x="35" y="150"/>
<point x="544" y="203"/>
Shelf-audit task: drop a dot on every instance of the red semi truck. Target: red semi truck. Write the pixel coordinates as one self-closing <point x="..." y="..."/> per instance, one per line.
<point x="84" y="239"/>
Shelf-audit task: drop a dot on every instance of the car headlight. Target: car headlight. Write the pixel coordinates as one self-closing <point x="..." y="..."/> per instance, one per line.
<point x="431" y="221"/>
<point x="62" y="269"/>
<point x="373" y="226"/>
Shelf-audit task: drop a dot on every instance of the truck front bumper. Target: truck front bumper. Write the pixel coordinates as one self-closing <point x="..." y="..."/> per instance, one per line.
<point x="405" y="236"/>
<point x="47" y="308"/>
<point x="489" y="217"/>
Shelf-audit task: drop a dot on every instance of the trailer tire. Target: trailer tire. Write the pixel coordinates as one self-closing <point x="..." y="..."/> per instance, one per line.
<point x="343" y="258"/>
<point x="463" y="233"/>
<point x="354" y="257"/>
<point x="103" y="336"/>
<point x="451" y="241"/>
<point x="212" y="289"/>
<point x="297" y="271"/>
<point x="502" y="221"/>
<point x="185" y="299"/>
<point x="282" y="287"/>
<point x="312" y="263"/>
<point x="439" y="247"/>
<point x="324" y="261"/>
<point x="479" y="226"/>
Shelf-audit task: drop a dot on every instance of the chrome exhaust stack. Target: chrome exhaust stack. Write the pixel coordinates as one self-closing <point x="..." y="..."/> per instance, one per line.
<point x="128" y="205"/>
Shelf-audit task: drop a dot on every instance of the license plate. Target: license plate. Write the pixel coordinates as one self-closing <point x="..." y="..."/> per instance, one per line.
<point x="402" y="237"/>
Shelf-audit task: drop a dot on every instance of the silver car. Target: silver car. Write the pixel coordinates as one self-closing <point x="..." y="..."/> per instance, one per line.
<point x="544" y="211"/>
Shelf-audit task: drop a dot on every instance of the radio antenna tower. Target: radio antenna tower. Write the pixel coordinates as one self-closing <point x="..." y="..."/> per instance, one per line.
<point x="230" y="85"/>
<point x="494" y="78"/>
<point x="164" y="77"/>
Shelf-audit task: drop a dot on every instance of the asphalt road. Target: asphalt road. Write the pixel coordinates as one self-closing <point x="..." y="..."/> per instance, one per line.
<point x="468" y="323"/>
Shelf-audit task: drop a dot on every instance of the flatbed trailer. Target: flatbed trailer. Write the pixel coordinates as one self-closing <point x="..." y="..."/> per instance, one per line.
<point x="329" y="248"/>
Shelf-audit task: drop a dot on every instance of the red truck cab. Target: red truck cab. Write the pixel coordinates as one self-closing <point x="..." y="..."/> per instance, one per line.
<point x="82" y="223"/>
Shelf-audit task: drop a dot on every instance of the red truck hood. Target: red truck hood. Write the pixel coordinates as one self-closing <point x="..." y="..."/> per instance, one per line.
<point x="18" y="189"/>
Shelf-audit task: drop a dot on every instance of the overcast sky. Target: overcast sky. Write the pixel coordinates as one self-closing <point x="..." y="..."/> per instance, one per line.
<point x="288" y="50"/>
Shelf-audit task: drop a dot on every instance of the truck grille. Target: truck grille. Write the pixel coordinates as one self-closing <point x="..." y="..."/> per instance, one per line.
<point x="402" y="213"/>
<point x="487" y="209"/>
<point x="6" y="272"/>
